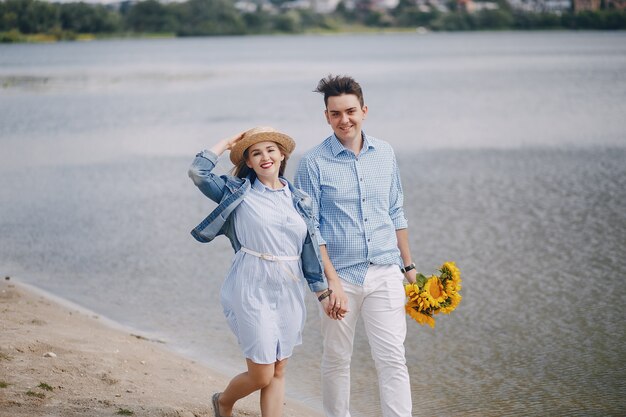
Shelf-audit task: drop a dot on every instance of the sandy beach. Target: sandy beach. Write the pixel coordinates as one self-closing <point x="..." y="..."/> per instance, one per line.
<point x="56" y="360"/>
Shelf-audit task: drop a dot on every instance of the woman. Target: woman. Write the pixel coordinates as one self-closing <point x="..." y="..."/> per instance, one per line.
<point x="271" y="228"/>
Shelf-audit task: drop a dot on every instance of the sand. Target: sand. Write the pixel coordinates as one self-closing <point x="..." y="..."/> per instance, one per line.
<point x="57" y="360"/>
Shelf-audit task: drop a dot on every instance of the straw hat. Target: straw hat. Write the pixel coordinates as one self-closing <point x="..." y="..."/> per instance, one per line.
<point x="260" y="134"/>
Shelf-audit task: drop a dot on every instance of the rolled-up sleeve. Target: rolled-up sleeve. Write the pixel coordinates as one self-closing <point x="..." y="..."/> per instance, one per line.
<point x="202" y="176"/>
<point x="396" y="200"/>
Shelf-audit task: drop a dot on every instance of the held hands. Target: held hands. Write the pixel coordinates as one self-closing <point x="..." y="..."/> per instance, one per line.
<point x="334" y="301"/>
<point x="338" y="302"/>
<point x="337" y="306"/>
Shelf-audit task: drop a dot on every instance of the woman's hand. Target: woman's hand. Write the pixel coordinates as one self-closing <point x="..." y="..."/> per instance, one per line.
<point x="230" y="142"/>
<point x="226" y="144"/>
<point x="325" y="302"/>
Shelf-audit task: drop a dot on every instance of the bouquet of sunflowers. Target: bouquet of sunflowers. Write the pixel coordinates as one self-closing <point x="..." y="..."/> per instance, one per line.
<point x="434" y="294"/>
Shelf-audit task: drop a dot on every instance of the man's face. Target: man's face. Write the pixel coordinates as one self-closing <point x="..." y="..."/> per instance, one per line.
<point x="345" y="115"/>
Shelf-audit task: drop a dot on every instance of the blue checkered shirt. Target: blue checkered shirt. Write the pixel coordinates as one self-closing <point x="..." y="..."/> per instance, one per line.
<point x="357" y="200"/>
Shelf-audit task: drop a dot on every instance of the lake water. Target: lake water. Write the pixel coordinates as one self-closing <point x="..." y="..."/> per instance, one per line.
<point x="512" y="148"/>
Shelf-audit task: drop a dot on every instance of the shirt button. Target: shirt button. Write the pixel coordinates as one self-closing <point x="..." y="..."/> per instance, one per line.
<point x="361" y="179"/>
<point x="365" y="220"/>
<point x="369" y="240"/>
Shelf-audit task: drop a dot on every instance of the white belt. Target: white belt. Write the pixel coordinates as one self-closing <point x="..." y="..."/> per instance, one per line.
<point x="269" y="256"/>
<point x="274" y="258"/>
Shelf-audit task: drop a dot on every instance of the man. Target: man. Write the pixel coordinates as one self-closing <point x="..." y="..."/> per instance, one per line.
<point x="354" y="182"/>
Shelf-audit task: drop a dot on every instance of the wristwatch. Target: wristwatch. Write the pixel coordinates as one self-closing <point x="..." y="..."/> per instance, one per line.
<point x="407" y="268"/>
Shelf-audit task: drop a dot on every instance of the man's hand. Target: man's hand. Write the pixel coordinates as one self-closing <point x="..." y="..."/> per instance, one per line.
<point x="411" y="276"/>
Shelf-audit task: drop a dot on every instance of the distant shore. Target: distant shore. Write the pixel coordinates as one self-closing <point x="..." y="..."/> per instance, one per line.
<point x="62" y="361"/>
<point x="17" y="37"/>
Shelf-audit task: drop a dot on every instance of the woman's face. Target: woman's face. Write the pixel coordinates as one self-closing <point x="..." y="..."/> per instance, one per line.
<point x="265" y="158"/>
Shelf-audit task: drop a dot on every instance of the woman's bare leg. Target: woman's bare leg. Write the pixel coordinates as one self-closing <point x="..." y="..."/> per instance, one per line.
<point x="258" y="377"/>
<point x="273" y="395"/>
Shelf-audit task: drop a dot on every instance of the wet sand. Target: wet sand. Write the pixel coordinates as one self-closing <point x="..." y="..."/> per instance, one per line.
<point x="57" y="360"/>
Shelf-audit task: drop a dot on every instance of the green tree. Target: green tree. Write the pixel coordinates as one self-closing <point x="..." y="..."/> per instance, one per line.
<point x="86" y="18"/>
<point x="407" y="14"/>
<point x="345" y="14"/>
<point x="151" y="16"/>
<point x="289" y="22"/>
<point x="210" y="17"/>
<point x="494" y="19"/>
<point x="454" y="21"/>
<point x="257" y="22"/>
<point x="377" y="18"/>
<point x="8" y="18"/>
<point x="30" y="16"/>
<point x="615" y="19"/>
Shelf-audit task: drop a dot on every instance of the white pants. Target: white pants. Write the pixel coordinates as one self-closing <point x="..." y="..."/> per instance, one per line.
<point x="380" y="301"/>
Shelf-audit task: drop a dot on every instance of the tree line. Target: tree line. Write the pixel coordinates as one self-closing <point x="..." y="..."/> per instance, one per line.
<point x="220" y="17"/>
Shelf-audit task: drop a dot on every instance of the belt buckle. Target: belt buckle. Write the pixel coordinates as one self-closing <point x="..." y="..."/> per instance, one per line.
<point x="267" y="256"/>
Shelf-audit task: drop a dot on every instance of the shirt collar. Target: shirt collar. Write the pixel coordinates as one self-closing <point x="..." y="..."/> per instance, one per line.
<point x="260" y="187"/>
<point x="337" y="147"/>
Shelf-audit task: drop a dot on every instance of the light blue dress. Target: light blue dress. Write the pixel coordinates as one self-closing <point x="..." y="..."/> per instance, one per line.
<point x="263" y="300"/>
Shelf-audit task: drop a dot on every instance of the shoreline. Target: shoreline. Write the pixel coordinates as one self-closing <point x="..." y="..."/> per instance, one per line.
<point x="57" y="358"/>
<point x="13" y="37"/>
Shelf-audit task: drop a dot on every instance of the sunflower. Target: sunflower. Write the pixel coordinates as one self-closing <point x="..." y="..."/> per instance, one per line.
<point x="412" y="290"/>
<point x="451" y="305"/>
<point x="435" y="294"/>
<point x="449" y="270"/>
<point x="419" y="317"/>
<point x="452" y="287"/>
<point x="435" y="291"/>
<point x="417" y="298"/>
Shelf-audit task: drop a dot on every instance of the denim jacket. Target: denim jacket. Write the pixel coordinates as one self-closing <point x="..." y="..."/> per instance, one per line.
<point x="229" y="191"/>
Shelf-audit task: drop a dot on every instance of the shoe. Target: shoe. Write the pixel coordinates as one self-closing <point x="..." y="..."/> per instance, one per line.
<point x="216" y="405"/>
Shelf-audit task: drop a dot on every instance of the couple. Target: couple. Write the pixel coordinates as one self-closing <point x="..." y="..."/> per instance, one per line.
<point x="341" y="227"/>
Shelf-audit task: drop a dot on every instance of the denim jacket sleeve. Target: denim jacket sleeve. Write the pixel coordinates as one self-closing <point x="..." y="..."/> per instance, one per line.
<point x="311" y="257"/>
<point x="200" y="173"/>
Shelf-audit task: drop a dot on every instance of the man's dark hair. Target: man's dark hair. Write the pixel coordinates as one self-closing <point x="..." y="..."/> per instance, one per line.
<point x="337" y="85"/>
